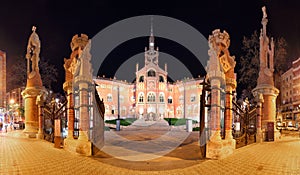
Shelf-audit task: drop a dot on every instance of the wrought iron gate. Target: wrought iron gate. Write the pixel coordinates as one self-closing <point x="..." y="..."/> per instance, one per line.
<point x="52" y="111"/>
<point x="244" y="123"/>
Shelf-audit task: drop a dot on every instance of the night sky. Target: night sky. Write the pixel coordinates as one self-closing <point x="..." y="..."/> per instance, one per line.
<point x="58" y="21"/>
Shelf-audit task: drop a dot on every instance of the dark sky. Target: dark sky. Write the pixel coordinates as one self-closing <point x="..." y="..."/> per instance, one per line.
<point x="58" y="21"/>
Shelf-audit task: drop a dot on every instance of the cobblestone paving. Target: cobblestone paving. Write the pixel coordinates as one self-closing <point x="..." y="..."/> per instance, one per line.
<point x="20" y="155"/>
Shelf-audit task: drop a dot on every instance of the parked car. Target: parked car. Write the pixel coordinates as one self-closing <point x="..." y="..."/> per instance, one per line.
<point x="292" y="128"/>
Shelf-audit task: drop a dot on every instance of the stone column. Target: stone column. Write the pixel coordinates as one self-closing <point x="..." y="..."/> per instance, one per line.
<point x="214" y="145"/>
<point x="40" y="102"/>
<point x="259" y="135"/>
<point x="268" y="112"/>
<point x="215" y="109"/>
<point x="40" y="134"/>
<point x="32" y="110"/>
<point x="70" y="109"/>
<point x="230" y="85"/>
<point x="228" y="113"/>
<point x="265" y="81"/>
<point x="83" y="112"/>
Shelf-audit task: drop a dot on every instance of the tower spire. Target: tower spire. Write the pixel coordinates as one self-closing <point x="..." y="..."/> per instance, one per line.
<point x="151" y="27"/>
<point x="151" y="38"/>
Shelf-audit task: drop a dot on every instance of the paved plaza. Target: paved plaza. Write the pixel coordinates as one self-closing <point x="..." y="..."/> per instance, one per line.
<point x="19" y="155"/>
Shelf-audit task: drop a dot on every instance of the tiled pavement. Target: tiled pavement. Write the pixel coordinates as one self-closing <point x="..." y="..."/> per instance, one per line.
<point x="30" y="156"/>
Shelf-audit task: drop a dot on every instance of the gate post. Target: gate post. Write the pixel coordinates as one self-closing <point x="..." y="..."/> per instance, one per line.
<point x="220" y="66"/>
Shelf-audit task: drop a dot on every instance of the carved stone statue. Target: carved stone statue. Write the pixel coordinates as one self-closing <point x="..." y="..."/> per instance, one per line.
<point x="264" y="12"/>
<point x="33" y="51"/>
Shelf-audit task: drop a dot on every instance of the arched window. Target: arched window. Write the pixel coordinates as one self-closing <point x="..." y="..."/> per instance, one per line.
<point x="123" y="111"/>
<point x="109" y="98"/>
<point x="151" y="73"/>
<point x="121" y="99"/>
<point x="107" y="109"/>
<point x="161" y="79"/>
<point x="178" y="110"/>
<point x="181" y="99"/>
<point x="141" y="79"/>
<point x="170" y="100"/>
<point x="141" y="98"/>
<point x="161" y="98"/>
<point x="151" y="97"/>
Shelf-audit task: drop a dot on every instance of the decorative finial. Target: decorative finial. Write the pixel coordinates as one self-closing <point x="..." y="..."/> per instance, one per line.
<point x="33" y="28"/>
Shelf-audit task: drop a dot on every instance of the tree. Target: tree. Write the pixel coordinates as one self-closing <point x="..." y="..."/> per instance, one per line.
<point x="249" y="62"/>
<point x="49" y="73"/>
<point x="17" y="74"/>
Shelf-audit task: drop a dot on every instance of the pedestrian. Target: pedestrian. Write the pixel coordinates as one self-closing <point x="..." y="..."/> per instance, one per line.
<point x="1" y="126"/>
<point x="5" y="128"/>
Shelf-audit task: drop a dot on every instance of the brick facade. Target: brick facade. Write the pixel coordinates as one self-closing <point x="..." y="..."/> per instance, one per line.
<point x="151" y="95"/>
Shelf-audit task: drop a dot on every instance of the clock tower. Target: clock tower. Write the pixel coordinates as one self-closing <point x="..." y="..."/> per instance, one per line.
<point x="151" y="85"/>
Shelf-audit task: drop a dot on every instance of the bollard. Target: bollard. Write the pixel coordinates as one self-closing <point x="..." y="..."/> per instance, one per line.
<point x="189" y="125"/>
<point x="118" y="122"/>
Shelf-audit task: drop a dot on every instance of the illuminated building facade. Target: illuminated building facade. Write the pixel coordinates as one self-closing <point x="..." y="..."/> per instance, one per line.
<point x="151" y="96"/>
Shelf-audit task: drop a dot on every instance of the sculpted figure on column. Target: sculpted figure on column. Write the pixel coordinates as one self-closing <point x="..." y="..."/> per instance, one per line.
<point x="33" y="51"/>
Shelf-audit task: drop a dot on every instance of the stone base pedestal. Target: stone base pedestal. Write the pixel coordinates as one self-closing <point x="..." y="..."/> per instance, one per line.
<point x="81" y="145"/>
<point x="31" y="128"/>
<point x="30" y="134"/>
<point x="70" y="144"/>
<point x="31" y="108"/>
<point x="217" y="148"/>
<point x="70" y="135"/>
<point x="259" y="136"/>
<point x="40" y="135"/>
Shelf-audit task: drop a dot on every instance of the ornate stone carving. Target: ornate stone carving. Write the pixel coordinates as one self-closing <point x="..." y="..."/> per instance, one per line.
<point x="266" y="55"/>
<point x="265" y="92"/>
<point x="33" y="51"/>
<point x="219" y="43"/>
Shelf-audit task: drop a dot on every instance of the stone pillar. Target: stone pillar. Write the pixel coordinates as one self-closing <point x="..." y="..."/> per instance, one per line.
<point x="32" y="110"/>
<point x="40" y="132"/>
<point x="214" y="145"/>
<point x="269" y="110"/>
<point x="215" y="109"/>
<point x="265" y="81"/>
<point x="83" y="112"/>
<point x="230" y="85"/>
<point x="70" y="109"/>
<point x="259" y="134"/>
<point x="220" y="70"/>
<point x="40" y="102"/>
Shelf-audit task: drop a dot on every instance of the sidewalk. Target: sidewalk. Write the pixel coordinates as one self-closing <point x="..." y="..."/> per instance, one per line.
<point x="31" y="156"/>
